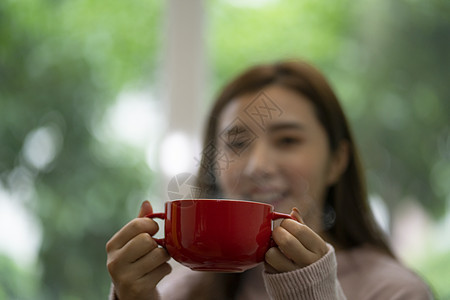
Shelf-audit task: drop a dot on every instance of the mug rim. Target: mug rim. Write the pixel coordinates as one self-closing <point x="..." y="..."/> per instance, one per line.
<point x="220" y="200"/>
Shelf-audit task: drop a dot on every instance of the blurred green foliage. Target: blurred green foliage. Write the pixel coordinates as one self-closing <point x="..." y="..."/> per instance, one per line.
<point x="62" y="64"/>
<point x="435" y="269"/>
<point x="15" y="282"/>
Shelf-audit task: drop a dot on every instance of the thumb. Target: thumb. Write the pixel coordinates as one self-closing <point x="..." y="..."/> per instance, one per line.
<point x="146" y="208"/>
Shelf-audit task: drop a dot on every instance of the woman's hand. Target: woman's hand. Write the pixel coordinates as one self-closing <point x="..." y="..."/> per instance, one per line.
<point x="135" y="262"/>
<point x="298" y="246"/>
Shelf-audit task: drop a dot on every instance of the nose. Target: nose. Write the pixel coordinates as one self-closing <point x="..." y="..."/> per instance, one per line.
<point x="261" y="162"/>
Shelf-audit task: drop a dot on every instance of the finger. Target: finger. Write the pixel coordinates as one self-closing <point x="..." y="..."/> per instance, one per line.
<point x="137" y="247"/>
<point x="292" y="248"/>
<point x="278" y="261"/>
<point x="125" y="272"/>
<point x="269" y="269"/>
<point x="143" y="287"/>
<point x="129" y="231"/>
<point x="146" y="208"/>
<point x="156" y="275"/>
<point x="151" y="261"/>
<point x="307" y="237"/>
<point x="134" y="283"/>
<point x="119" y="261"/>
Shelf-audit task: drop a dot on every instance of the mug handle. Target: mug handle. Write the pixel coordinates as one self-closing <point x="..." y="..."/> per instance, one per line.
<point x="276" y="216"/>
<point x="162" y="216"/>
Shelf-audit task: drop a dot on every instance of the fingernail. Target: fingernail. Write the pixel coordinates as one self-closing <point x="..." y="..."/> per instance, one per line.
<point x="145" y="204"/>
<point x="146" y="208"/>
<point x="296" y="215"/>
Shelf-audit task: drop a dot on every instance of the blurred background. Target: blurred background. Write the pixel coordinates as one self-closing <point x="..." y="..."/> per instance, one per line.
<point x="102" y="103"/>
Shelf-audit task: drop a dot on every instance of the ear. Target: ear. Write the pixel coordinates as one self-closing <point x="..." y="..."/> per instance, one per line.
<point x="339" y="162"/>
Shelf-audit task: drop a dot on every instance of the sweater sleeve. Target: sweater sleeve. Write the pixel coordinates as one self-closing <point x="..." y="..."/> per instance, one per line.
<point x="316" y="281"/>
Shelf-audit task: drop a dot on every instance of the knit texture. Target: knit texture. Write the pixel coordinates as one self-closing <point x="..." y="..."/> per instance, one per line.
<point x="316" y="281"/>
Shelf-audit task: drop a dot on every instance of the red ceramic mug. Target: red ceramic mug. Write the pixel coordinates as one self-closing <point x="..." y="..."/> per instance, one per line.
<point x="217" y="234"/>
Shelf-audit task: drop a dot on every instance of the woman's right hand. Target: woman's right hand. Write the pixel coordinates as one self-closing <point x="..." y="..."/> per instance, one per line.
<point x="134" y="260"/>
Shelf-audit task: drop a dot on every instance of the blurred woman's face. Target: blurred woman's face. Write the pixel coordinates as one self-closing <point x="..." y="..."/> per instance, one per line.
<point x="272" y="148"/>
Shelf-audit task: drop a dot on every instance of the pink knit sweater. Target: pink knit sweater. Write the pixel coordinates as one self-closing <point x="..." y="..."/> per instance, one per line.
<point x="360" y="273"/>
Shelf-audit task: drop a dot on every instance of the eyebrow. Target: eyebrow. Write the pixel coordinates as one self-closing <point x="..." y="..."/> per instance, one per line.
<point x="286" y="125"/>
<point x="238" y="129"/>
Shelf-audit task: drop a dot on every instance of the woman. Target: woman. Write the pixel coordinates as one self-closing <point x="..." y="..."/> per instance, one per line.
<point x="277" y="135"/>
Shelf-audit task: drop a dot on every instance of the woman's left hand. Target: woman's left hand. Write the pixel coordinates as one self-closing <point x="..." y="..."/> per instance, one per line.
<point x="298" y="246"/>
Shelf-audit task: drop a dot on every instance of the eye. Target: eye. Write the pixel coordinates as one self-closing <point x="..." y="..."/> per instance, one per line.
<point x="237" y="138"/>
<point x="289" y="141"/>
<point x="238" y="143"/>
